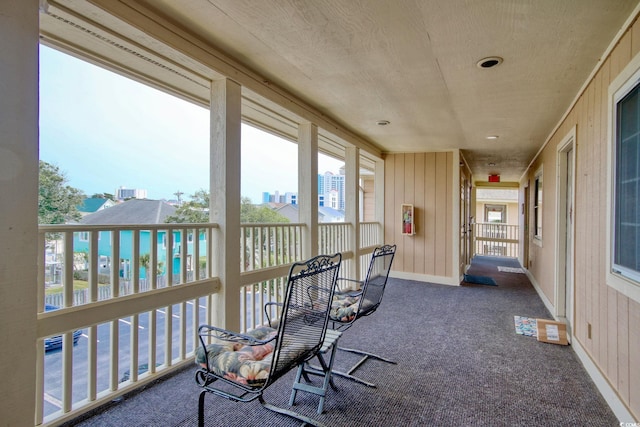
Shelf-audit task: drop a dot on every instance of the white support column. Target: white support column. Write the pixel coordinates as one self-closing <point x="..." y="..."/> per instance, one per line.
<point x="352" y="206"/>
<point x="19" y="247"/>
<point x="308" y="187"/>
<point x="378" y="195"/>
<point x="224" y="184"/>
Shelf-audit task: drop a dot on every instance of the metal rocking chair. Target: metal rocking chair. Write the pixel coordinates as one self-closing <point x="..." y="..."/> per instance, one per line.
<point x="240" y="367"/>
<point x="348" y="306"/>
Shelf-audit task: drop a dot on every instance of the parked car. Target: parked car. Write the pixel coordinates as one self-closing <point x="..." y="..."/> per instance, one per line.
<point x="53" y="343"/>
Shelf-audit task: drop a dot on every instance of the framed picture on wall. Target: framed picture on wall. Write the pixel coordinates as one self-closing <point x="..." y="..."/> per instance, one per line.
<point x="408" y="227"/>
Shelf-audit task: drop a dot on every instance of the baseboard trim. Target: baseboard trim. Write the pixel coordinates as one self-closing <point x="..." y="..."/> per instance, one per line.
<point x="608" y="393"/>
<point x="440" y="280"/>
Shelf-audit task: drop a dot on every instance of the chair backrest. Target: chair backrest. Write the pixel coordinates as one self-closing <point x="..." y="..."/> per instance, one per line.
<point x="376" y="280"/>
<point x="305" y="312"/>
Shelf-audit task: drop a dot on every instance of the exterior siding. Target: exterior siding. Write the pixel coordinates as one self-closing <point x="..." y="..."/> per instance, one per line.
<point x="426" y="181"/>
<point x="614" y="319"/>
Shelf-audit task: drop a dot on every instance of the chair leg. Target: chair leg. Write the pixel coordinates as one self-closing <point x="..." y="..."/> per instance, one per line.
<point x="201" y="408"/>
<point x="304" y="369"/>
<point x="294" y="389"/>
<point x="283" y="411"/>
<point x="366" y="356"/>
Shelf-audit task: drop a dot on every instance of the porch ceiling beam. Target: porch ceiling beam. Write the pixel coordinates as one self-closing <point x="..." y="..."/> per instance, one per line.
<point x="179" y="40"/>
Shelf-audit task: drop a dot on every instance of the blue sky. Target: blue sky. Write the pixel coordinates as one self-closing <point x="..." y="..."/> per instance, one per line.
<point x="105" y="131"/>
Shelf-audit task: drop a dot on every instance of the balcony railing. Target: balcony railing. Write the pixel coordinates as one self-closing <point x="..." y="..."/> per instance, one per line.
<point x="495" y="239"/>
<point x="143" y="291"/>
<point x="138" y="293"/>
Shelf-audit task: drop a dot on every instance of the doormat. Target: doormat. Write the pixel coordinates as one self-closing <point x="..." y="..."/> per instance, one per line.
<point x="480" y="280"/>
<point x="510" y="269"/>
<point x="526" y="326"/>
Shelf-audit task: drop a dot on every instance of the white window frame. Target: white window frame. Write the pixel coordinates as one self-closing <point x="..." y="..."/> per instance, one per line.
<point x="538" y="206"/>
<point x="624" y="281"/>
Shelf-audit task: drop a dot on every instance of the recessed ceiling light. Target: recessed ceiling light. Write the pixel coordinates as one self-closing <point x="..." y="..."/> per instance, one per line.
<point x="489" y="62"/>
<point x="382" y="122"/>
<point x="492" y="137"/>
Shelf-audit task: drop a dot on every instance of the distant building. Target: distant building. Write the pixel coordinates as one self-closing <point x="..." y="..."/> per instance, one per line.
<point x="94" y="204"/>
<point x="288" y="197"/>
<point x="497" y="206"/>
<point x="331" y="187"/>
<point x="137" y="211"/>
<point x="130" y="193"/>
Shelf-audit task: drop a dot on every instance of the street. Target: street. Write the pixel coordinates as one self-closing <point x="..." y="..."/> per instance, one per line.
<point x="53" y="359"/>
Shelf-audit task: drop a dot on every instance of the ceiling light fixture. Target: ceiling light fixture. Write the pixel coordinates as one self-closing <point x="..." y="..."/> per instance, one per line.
<point x="382" y="122"/>
<point x="489" y="62"/>
<point x="491" y="164"/>
<point x="492" y="137"/>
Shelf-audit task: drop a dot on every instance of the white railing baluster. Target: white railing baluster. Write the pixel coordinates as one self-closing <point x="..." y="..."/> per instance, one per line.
<point x="67" y="277"/>
<point x="115" y="263"/>
<point x="92" y="363"/>
<point x="67" y="371"/>
<point x="114" y="351"/>
<point x="94" y="266"/>
<point x="168" y="335"/>
<point x="196" y="254"/>
<point x="152" y="278"/>
<point x="184" y="254"/>
<point x="183" y="331"/>
<point x="153" y="342"/>
<point x="133" y="343"/>
<point x="195" y="321"/>
<point x="243" y="309"/>
<point x="169" y="258"/>
<point x="135" y="262"/>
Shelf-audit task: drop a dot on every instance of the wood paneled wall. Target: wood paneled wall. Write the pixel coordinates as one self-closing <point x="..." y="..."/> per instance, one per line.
<point x="426" y="181"/>
<point x="368" y="194"/>
<point x="614" y="320"/>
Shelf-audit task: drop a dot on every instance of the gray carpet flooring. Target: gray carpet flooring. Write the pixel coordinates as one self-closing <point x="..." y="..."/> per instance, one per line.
<point x="460" y="363"/>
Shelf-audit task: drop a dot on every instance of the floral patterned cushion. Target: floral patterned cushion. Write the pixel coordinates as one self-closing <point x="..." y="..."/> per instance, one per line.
<point x="249" y="364"/>
<point x="344" y="307"/>
<point x="244" y="364"/>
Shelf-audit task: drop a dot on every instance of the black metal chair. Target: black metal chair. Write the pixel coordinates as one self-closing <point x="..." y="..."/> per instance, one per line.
<point x="348" y="306"/>
<point x="240" y="367"/>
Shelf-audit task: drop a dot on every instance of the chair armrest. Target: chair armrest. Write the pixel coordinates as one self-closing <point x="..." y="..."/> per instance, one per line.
<point x="360" y="285"/>
<point x="348" y="293"/>
<point x="225" y="335"/>
<point x="266" y="310"/>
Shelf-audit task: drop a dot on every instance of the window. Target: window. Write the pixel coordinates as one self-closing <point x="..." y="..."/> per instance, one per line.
<point x="537" y="206"/>
<point x="83" y="236"/>
<point x="623" y="213"/>
<point x="495" y="213"/>
<point x="626" y="238"/>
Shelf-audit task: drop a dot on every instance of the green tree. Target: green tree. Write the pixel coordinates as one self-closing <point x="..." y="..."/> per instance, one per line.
<point x="145" y="262"/>
<point x="251" y="214"/>
<point x="57" y="202"/>
<point x="104" y="196"/>
<point x="197" y="211"/>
